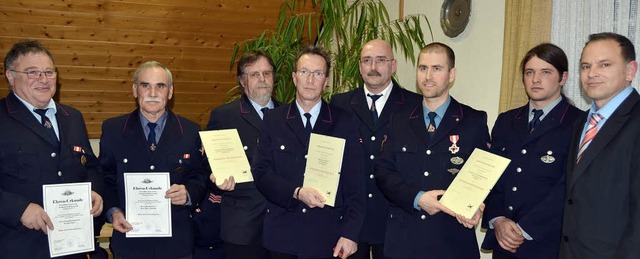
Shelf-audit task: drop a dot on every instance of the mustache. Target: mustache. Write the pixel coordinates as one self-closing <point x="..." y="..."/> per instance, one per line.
<point x="374" y="73"/>
<point x="152" y="99"/>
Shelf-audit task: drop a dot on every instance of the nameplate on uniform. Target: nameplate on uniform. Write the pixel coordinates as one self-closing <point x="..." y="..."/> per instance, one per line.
<point x="474" y="182"/>
<point x="226" y="155"/>
<point x="324" y="162"/>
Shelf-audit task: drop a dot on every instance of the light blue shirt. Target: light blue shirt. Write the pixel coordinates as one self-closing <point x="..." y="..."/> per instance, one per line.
<point x="258" y="107"/>
<point x="545" y="110"/>
<point x="159" y="129"/>
<point x="51" y="113"/>
<point x="315" y="112"/>
<point x="606" y="110"/>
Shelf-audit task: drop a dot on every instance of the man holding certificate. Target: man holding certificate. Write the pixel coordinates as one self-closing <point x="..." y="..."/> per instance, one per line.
<point x="298" y="223"/>
<point x="427" y="145"/>
<point x="42" y="142"/>
<point x="151" y="157"/>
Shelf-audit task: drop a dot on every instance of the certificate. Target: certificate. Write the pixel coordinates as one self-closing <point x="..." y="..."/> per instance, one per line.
<point x="473" y="183"/>
<point x="226" y="155"/>
<point x="324" y="162"/>
<point x="148" y="211"/>
<point x="68" y="207"/>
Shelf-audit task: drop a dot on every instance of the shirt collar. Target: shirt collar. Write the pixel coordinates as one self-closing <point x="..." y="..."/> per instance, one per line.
<point x="613" y="104"/>
<point x="546" y="109"/>
<point x="51" y="106"/>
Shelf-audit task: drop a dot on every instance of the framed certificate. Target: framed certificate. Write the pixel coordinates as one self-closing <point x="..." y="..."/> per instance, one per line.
<point x="324" y="162"/>
<point x="68" y="207"/>
<point x="226" y="155"/>
<point x="147" y="210"/>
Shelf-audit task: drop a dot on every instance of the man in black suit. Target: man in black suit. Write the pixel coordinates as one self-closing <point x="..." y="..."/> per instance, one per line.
<point x="373" y="104"/>
<point x="243" y="207"/>
<point x="153" y="139"/>
<point x="523" y="215"/>
<point x="602" y="203"/>
<point x="41" y="142"/>
<point x="427" y="145"/>
<point x="297" y="223"/>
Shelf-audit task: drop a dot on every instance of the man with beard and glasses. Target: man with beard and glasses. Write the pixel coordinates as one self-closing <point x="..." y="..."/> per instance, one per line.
<point x="152" y="139"/>
<point x="373" y="104"/>
<point x="427" y="145"/>
<point x="243" y="207"/>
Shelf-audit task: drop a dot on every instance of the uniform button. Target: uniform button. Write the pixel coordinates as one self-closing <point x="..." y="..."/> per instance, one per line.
<point x="305" y="156"/>
<point x="391" y="215"/>
<point x="281" y="147"/>
<point x="152" y="167"/>
<point x="211" y="248"/>
<point x="59" y="173"/>
<point x="245" y="147"/>
<point x="518" y="169"/>
<point x="304" y="210"/>
<point x="371" y="176"/>
<point x="510" y="207"/>
<point x="426" y="173"/>
<point x="524" y="151"/>
<point x="340" y="217"/>
<point x="267" y="210"/>
<point x="570" y="201"/>
<point x="53" y="154"/>
<point x="514" y="188"/>
<point x="125" y="160"/>
<point x="404" y="149"/>
<point x="422" y="217"/>
<point x="179" y="161"/>
<point x="428" y="152"/>
<point x="370" y="195"/>
<point x="372" y="157"/>
<point x="373" y="138"/>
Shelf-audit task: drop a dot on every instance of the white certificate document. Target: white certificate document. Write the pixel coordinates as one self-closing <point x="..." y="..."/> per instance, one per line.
<point x="226" y="155"/>
<point x="324" y="162"/>
<point x="148" y="211"/>
<point x="68" y="207"/>
<point x="474" y="182"/>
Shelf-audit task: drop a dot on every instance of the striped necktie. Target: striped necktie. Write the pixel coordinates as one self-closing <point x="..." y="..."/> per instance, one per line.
<point x="591" y="132"/>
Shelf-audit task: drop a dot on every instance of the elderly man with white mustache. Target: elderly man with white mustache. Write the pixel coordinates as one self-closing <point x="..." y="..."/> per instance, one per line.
<point x="152" y="139"/>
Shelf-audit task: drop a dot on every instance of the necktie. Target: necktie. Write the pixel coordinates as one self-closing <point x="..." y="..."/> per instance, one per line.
<point x="536" y="119"/>
<point x="373" y="110"/>
<point x="151" y="138"/>
<point x="47" y="124"/>
<point x="431" y="130"/>
<point x="591" y="132"/>
<point x="264" y="110"/>
<point x="308" y="127"/>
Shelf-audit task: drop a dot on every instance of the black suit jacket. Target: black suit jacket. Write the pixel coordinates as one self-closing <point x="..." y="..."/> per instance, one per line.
<point x="411" y="163"/>
<point x="371" y="137"/>
<point x="531" y="190"/>
<point x="28" y="160"/>
<point x="602" y="203"/>
<point x="242" y="209"/>
<point x="278" y="168"/>
<point x="123" y="148"/>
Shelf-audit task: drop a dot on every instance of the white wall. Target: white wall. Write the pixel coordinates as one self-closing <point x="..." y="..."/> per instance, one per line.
<point x="478" y="54"/>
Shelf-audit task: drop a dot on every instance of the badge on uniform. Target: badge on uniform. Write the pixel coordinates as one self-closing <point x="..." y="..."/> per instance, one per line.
<point x="453" y="170"/>
<point x="153" y="147"/>
<point x="186" y="156"/>
<point x="548" y="159"/>
<point x="431" y="128"/>
<point x="83" y="158"/>
<point x="456" y="160"/>
<point x="454" y="148"/>
<point x="47" y="124"/>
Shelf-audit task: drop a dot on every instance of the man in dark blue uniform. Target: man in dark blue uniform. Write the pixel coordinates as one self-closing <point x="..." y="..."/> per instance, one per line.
<point x="41" y="142"/>
<point x="153" y="139"/>
<point x="373" y="104"/>
<point x="298" y="224"/>
<point x="243" y="207"/>
<point x="427" y="145"/>
<point x="524" y="210"/>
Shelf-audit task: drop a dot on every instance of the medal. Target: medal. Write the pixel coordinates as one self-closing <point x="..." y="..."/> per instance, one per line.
<point x="453" y="170"/>
<point x="83" y="160"/>
<point x="153" y="147"/>
<point x="47" y="124"/>
<point x="456" y="160"/>
<point x="454" y="148"/>
<point x="431" y="128"/>
<point x="548" y="159"/>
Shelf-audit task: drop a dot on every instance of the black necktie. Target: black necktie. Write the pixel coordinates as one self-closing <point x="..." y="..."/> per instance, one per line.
<point x="373" y="110"/>
<point x="536" y="119"/>
<point x="47" y="124"/>
<point x="264" y="110"/>
<point x="431" y="130"/>
<point x="308" y="127"/>
<point x="151" y="138"/>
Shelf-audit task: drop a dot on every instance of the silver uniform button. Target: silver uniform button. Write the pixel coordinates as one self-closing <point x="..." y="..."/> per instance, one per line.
<point x="245" y="147"/>
<point x="524" y="151"/>
<point x="426" y="173"/>
<point x="510" y="207"/>
<point x="518" y="169"/>
<point x="370" y="195"/>
<point x="53" y="154"/>
<point x="404" y="149"/>
<point x="372" y="157"/>
<point x="422" y="217"/>
<point x="125" y="160"/>
<point x="371" y="176"/>
<point x="373" y="138"/>
<point x="428" y="152"/>
<point x="304" y="210"/>
<point x="152" y="167"/>
<point x="281" y="147"/>
<point x="59" y="173"/>
<point x="305" y="156"/>
<point x="179" y="161"/>
<point x="514" y="188"/>
<point x="267" y="210"/>
<point x="391" y="215"/>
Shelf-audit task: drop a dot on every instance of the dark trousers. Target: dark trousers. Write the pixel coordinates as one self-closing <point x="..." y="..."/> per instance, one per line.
<point x="367" y="251"/>
<point x="234" y="251"/>
<point x="502" y="254"/>
<point x="277" y="255"/>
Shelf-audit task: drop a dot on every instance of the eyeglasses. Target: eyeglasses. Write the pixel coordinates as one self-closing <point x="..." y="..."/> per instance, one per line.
<point x="378" y="60"/>
<point x="35" y="74"/>
<point x="307" y="73"/>
<point x="256" y="74"/>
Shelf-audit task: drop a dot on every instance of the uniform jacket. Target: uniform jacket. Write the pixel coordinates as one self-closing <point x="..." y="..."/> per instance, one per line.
<point x="278" y="168"/>
<point x="28" y="160"/>
<point x="123" y="148"/>
<point x="602" y="202"/>
<point x="411" y="163"/>
<point x="531" y="190"/>
<point x="242" y="209"/>
<point x="371" y="137"/>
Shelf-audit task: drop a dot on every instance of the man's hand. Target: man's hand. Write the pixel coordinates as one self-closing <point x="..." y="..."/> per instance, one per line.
<point x="311" y="197"/>
<point x="120" y="223"/>
<point x="429" y="203"/>
<point x="177" y="193"/>
<point x="229" y="184"/>
<point x="472" y="222"/>
<point x="35" y="218"/>
<point x="96" y="204"/>
<point x="344" y="248"/>
<point x="508" y="234"/>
